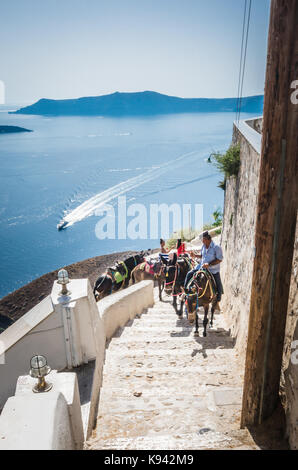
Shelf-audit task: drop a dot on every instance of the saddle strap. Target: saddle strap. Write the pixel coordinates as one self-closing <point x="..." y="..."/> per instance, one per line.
<point x="212" y="282"/>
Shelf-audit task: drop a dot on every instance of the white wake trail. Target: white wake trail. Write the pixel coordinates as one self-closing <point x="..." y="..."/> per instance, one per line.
<point x="89" y="207"/>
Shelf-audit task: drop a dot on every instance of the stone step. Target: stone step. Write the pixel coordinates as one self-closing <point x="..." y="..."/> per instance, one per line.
<point x="187" y="357"/>
<point x="126" y="348"/>
<point x="163" y="378"/>
<point x="146" y="344"/>
<point x="154" y="396"/>
<point x="146" y="418"/>
<point x="173" y="330"/>
<point x="127" y="351"/>
<point x="153" y="422"/>
<point x="152" y="390"/>
<point x="168" y="375"/>
<point x="171" y="315"/>
<point x="167" y="316"/>
<point x="203" y="438"/>
<point x="135" y="400"/>
<point x="158" y="363"/>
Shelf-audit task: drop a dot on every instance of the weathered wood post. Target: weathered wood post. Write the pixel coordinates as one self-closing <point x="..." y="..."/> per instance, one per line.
<point x="276" y="217"/>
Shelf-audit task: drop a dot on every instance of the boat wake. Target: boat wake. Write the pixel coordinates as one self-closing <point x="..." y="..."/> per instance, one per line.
<point x="92" y="205"/>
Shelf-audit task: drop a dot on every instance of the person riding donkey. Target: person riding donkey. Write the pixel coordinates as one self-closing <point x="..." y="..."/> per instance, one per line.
<point x="211" y="255"/>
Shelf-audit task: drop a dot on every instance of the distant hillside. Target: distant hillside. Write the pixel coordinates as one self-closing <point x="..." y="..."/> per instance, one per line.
<point x="10" y="129"/>
<point x="140" y="104"/>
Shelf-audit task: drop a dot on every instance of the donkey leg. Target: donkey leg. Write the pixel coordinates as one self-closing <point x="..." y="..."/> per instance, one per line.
<point x="175" y="303"/>
<point x="181" y="307"/>
<point x="213" y="306"/>
<point x="205" y="322"/>
<point x="196" y="333"/>
<point x="212" y="315"/>
<point x="159" y="289"/>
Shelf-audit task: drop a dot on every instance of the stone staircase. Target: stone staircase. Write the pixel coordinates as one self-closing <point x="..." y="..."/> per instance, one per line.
<point x="163" y="388"/>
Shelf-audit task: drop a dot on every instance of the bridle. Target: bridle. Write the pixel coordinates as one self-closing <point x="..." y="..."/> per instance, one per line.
<point x="173" y="283"/>
<point x="198" y="288"/>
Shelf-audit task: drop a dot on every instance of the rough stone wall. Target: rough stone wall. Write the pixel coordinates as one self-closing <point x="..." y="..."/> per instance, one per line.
<point x="238" y="241"/>
<point x="289" y="385"/>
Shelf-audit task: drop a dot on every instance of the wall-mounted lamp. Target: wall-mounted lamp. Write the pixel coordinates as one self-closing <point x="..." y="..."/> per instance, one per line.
<point x="63" y="279"/>
<point x="39" y="369"/>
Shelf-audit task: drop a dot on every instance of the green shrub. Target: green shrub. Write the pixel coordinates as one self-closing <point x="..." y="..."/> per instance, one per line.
<point x="227" y="163"/>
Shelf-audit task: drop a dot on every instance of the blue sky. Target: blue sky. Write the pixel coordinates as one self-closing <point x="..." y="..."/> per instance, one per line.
<point x="71" y="48"/>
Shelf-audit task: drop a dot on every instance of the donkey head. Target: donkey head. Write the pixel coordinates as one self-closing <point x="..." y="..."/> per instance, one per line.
<point x="102" y="287"/>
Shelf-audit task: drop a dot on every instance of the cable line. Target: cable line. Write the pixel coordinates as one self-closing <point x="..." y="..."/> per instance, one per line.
<point x="241" y="59"/>
<point x="244" y="60"/>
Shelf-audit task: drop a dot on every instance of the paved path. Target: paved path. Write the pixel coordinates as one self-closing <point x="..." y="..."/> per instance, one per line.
<point x="163" y="388"/>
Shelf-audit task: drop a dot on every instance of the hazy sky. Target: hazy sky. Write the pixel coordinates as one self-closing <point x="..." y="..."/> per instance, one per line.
<point x="72" y="48"/>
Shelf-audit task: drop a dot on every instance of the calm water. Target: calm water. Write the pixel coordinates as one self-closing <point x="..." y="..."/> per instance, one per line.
<point x="46" y="174"/>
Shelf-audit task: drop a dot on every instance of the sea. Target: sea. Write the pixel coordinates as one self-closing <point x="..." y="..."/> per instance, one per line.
<point x="70" y="168"/>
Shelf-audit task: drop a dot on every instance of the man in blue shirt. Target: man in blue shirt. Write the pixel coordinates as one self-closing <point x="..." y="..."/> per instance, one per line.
<point x="211" y="255"/>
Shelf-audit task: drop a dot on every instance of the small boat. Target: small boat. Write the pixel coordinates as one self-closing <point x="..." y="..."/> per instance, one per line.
<point x="62" y="225"/>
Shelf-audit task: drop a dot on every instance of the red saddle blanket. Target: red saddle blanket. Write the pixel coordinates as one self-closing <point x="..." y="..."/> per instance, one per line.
<point x="150" y="268"/>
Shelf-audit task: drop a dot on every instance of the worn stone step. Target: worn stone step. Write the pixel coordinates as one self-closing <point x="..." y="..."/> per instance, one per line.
<point x="135" y="400"/>
<point x="146" y="344"/>
<point x="117" y="400"/>
<point x="173" y="330"/>
<point x="166" y="375"/>
<point x="150" y="390"/>
<point x="209" y="364"/>
<point x="163" y="378"/>
<point x="172" y="418"/>
<point x="190" y="348"/>
<point x="132" y="424"/>
<point x="173" y="343"/>
<point x="127" y="351"/>
<point x="158" y="363"/>
<point x="204" y="438"/>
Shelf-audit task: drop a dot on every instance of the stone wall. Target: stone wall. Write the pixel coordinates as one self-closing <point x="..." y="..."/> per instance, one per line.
<point x="289" y="385"/>
<point x="237" y="241"/>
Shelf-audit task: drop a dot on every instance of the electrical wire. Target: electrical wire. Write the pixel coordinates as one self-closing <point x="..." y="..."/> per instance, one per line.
<point x="246" y="26"/>
<point x="241" y="59"/>
<point x="244" y="60"/>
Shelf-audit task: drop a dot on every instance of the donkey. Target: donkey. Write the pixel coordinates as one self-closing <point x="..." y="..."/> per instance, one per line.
<point x="175" y="271"/>
<point x="201" y="292"/>
<point x="116" y="277"/>
<point x="148" y="271"/>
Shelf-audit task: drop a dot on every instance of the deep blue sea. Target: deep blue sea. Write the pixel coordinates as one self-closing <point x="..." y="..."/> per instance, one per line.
<point x="45" y="175"/>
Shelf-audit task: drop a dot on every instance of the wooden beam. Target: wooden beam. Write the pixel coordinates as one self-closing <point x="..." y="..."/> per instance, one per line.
<point x="276" y="218"/>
